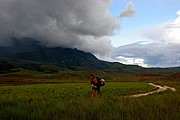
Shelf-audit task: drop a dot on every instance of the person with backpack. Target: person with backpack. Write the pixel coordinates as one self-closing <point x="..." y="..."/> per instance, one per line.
<point x="96" y="85"/>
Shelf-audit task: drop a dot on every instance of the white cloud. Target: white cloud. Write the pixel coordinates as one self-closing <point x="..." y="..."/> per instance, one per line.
<point x="167" y="32"/>
<point x="154" y="54"/>
<point x="178" y="12"/>
<point x="131" y="61"/>
<point x="128" y="11"/>
<point x="162" y="51"/>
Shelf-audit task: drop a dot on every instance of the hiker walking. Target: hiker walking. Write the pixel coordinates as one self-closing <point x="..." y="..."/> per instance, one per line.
<point x="96" y="84"/>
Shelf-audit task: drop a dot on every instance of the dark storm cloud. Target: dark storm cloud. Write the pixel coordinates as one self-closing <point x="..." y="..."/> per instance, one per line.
<point x="82" y="24"/>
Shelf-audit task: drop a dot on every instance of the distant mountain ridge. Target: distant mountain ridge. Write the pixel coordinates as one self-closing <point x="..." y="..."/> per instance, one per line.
<point x="30" y="54"/>
<point x="30" y="49"/>
<point x="59" y="55"/>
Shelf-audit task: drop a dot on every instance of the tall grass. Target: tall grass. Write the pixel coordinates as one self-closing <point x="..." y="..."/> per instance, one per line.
<point x="72" y="101"/>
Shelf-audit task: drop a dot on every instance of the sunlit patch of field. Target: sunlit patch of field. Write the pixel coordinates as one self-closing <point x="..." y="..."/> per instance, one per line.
<point x="66" y="95"/>
<point x="73" y="101"/>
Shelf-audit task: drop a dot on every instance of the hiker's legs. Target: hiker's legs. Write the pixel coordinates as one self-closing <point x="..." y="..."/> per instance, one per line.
<point x="99" y="91"/>
<point x="93" y="91"/>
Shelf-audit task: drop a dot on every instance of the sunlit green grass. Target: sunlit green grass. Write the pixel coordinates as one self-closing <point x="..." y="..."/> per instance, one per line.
<point x="73" y="101"/>
<point x="72" y="90"/>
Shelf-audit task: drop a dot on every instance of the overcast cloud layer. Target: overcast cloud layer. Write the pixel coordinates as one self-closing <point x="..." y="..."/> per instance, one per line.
<point x="162" y="51"/>
<point x="82" y="24"/>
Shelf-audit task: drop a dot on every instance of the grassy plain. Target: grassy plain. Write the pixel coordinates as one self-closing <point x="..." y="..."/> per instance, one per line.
<point x="29" y="95"/>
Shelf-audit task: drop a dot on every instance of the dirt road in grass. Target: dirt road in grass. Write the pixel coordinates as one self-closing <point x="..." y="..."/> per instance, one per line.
<point x="160" y="89"/>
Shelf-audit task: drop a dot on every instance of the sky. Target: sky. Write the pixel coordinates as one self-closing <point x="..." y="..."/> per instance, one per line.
<point x="148" y="14"/>
<point x="150" y="36"/>
<point x="138" y="32"/>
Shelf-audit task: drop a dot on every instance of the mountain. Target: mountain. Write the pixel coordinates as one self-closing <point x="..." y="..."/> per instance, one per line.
<point x="31" y="50"/>
<point x="30" y="54"/>
<point x="63" y="56"/>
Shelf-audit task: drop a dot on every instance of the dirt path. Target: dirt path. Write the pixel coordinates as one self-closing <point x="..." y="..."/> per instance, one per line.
<point x="160" y="89"/>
